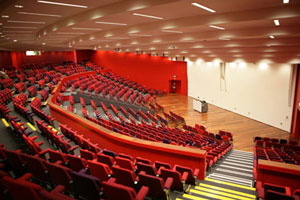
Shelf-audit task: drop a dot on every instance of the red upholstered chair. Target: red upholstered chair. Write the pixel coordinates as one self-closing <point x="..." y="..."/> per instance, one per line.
<point x="105" y="159"/>
<point x="76" y="163"/>
<point x="99" y="170"/>
<point x="86" y="154"/>
<point x="114" y="191"/>
<point x="297" y="192"/>
<point x="178" y="180"/>
<point x="60" y="175"/>
<point x="37" y="167"/>
<point x="274" y="195"/>
<point x="21" y="188"/>
<point x="57" y="156"/>
<point x="124" y="176"/>
<point x="159" y="164"/>
<point x="142" y="160"/>
<point x="192" y="175"/>
<point x="125" y="163"/>
<point x="147" y="168"/>
<point x="157" y="187"/>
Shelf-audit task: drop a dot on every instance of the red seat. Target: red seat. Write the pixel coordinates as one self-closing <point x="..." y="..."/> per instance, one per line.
<point x="159" y="164"/>
<point x="124" y="176"/>
<point x="105" y="159"/>
<point x="60" y="175"/>
<point x="124" y="163"/>
<point x="99" y="170"/>
<point x="147" y="168"/>
<point x="192" y="175"/>
<point x="114" y="191"/>
<point x="55" y="194"/>
<point x="178" y="180"/>
<point x="262" y="189"/>
<point x="86" y="154"/>
<point x="76" y="163"/>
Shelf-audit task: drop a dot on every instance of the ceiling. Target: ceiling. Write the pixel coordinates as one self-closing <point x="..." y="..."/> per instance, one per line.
<point x="180" y="29"/>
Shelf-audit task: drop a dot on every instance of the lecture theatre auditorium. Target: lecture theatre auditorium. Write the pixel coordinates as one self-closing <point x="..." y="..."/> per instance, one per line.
<point x="149" y="99"/>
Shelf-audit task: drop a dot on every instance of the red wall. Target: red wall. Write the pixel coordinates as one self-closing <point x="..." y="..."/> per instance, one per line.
<point x="5" y="59"/>
<point x="295" y="126"/>
<point x="151" y="71"/>
<point x="84" y="55"/>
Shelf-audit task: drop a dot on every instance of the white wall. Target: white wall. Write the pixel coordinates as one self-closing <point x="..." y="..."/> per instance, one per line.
<point x="258" y="91"/>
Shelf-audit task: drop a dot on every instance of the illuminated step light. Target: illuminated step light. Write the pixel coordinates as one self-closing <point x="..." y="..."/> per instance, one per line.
<point x="170" y="31"/>
<point x="217" y="27"/>
<point x="39" y="14"/>
<point x="20" y="27"/>
<point x="112" y="23"/>
<point x="62" y="4"/>
<point x="88" y="29"/>
<point x="276" y="22"/>
<point x="286" y="1"/>
<point x="4" y="16"/>
<point x="148" y="16"/>
<point x="25" y="22"/>
<point x="203" y="7"/>
<point x="18" y="6"/>
<point x="272" y="37"/>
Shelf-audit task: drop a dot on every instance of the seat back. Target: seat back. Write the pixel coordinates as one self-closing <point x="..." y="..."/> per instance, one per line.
<point x="177" y="184"/>
<point x="54" y="195"/>
<point x="142" y="160"/>
<point x="76" y="163"/>
<point x="57" y="156"/>
<point x="109" y="153"/>
<point x="124" y="163"/>
<point x="159" y="164"/>
<point x="124" y="176"/>
<point x="105" y="159"/>
<point x="277" y="188"/>
<point x="114" y="191"/>
<point x="85" y="185"/>
<point x="37" y="167"/>
<point x="86" y="154"/>
<point x="155" y="184"/>
<point x="190" y="179"/>
<point x="21" y="189"/>
<point x="14" y="159"/>
<point x="99" y="170"/>
<point x="60" y="175"/>
<point x="149" y="169"/>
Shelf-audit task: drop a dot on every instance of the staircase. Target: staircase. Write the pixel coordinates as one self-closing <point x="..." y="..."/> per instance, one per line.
<point x="230" y="179"/>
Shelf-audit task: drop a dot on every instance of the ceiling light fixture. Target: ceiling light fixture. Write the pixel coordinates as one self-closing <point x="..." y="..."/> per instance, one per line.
<point x="62" y="4"/>
<point x="43" y="43"/>
<point x="5" y="16"/>
<point x="18" y="6"/>
<point x="170" y="31"/>
<point x="203" y="7"/>
<point x="19" y="27"/>
<point x="148" y="16"/>
<point x="70" y="33"/>
<point x="286" y="1"/>
<point x="224" y="38"/>
<point x="141" y="35"/>
<point x="111" y="23"/>
<point x="15" y="40"/>
<point x="276" y="22"/>
<point x="1" y="24"/>
<point x="88" y="29"/>
<point x="39" y="14"/>
<point x="272" y="37"/>
<point x="25" y="22"/>
<point x="217" y="27"/>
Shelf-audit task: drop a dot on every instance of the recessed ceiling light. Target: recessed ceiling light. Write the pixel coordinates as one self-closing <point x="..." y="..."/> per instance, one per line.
<point x="88" y="29"/>
<point x="70" y="33"/>
<point x="5" y="16"/>
<point x="156" y="41"/>
<point x="25" y="22"/>
<point x="286" y="1"/>
<point x="62" y="4"/>
<point x="203" y="7"/>
<point x="112" y="23"/>
<point x="276" y="22"/>
<point x="170" y="31"/>
<point x="272" y="37"/>
<point x="224" y="38"/>
<point x="15" y="40"/>
<point x="7" y="38"/>
<point x="217" y="27"/>
<point x="19" y="27"/>
<point x="141" y="35"/>
<point x="43" y="43"/>
<point x="148" y="16"/>
<point x="134" y="42"/>
<point x="39" y="14"/>
<point x="1" y="24"/>
<point x="18" y="6"/>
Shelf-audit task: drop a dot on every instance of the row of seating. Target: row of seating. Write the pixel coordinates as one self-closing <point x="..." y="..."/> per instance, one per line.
<point x="7" y="82"/>
<point x="20" y="87"/>
<point x="6" y="96"/>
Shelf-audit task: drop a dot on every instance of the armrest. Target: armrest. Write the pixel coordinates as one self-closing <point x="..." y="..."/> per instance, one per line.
<point x="196" y="173"/>
<point x="288" y="191"/>
<point x="168" y="183"/>
<point x="73" y="148"/>
<point x="34" y="137"/>
<point x="82" y="171"/>
<point x="25" y="177"/>
<point x="111" y="180"/>
<point x="44" y="152"/>
<point x="184" y="176"/>
<point x="59" y="162"/>
<point x="40" y="143"/>
<point x="142" y="193"/>
<point x="58" y="189"/>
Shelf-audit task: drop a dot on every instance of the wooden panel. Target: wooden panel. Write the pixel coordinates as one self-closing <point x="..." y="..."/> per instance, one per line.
<point x="243" y="128"/>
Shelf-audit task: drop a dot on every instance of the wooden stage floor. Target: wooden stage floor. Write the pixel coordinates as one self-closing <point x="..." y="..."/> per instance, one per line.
<point x="243" y="128"/>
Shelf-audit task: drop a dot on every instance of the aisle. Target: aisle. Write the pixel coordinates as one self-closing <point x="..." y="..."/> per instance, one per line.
<point x="231" y="179"/>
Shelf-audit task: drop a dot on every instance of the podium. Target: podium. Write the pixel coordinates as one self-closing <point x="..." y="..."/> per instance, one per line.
<point x="200" y="106"/>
